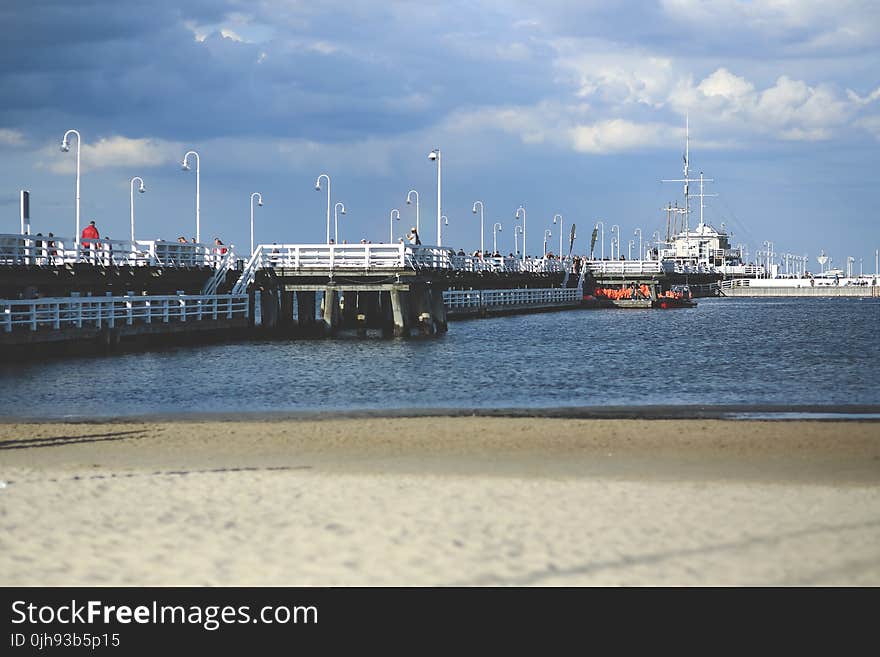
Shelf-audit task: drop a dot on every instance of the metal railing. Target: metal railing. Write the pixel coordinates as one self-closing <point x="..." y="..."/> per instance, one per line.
<point x="629" y="267"/>
<point x="513" y="297"/>
<point x="100" y="312"/>
<point x="44" y="250"/>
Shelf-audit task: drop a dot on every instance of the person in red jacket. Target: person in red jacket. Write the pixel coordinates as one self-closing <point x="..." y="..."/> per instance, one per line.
<point x="90" y="232"/>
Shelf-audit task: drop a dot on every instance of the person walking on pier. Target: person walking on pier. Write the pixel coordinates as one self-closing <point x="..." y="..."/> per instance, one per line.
<point x="413" y="236"/>
<point x="90" y="233"/>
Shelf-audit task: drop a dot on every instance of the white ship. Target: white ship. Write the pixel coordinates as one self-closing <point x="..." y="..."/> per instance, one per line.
<point x="704" y="249"/>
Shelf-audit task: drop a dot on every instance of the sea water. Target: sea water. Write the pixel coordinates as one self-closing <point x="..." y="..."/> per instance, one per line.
<point x="820" y="352"/>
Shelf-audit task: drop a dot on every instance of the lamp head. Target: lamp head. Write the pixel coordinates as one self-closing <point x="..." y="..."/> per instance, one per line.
<point x="432" y="155"/>
<point x="184" y="166"/>
<point x="65" y="146"/>
<point x="142" y="189"/>
<point x="408" y="202"/>
<point x="260" y="202"/>
<point x="318" y="187"/>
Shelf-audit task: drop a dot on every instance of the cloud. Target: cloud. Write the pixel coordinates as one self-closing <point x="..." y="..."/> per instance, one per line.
<point x="616" y="135"/>
<point x="789" y="109"/>
<point x="10" y="137"/>
<point x="113" y="152"/>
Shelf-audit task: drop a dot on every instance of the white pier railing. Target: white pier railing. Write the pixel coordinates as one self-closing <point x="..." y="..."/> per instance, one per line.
<point x="365" y="257"/>
<point x="630" y="267"/>
<point x="43" y="250"/>
<point x="460" y="299"/>
<point x="99" y="312"/>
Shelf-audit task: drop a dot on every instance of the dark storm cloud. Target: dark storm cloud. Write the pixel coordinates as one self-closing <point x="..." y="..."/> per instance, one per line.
<point x="355" y="70"/>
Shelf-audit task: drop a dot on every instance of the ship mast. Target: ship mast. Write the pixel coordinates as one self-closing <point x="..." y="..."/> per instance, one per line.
<point x="687" y="180"/>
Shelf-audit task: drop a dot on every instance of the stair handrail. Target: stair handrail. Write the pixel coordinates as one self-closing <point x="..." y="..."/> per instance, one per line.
<point x="250" y="271"/>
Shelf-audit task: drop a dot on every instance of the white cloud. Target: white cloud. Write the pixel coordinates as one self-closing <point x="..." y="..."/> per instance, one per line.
<point x="111" y="152"/>
<point x="614" y="75"/>
<point x="790" y="109"/>
<point x="615" y="135"/>
<point x="863" y="100"/>
<point x="10" y="137"/>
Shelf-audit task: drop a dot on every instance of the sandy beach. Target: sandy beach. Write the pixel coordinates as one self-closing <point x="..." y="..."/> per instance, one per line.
<point x="440" y="501"/>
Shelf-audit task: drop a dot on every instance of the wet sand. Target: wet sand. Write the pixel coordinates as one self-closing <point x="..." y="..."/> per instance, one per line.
<point x="440" y="501"/>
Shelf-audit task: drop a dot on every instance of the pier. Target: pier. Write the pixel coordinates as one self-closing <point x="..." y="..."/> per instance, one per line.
<point x="108" y="292"/>
<point x="799" y="287"/>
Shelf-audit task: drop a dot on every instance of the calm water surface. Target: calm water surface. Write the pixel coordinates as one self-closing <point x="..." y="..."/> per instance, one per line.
<point x="724" y="351"/>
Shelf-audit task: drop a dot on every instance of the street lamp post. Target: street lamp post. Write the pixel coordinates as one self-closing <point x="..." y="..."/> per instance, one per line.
<point x="482" y="248"/>
<point x="444" y="220"/>
<point x="391" y="234"/>
<point x="435" y="156"/>
<point x="259" y="196"/>
<point x="65" y="147"/>
<point x="185" y="167"/>
<point x="141" y="189"/>
<point x="617" y="241"/>
<point x="495" y="227"/>
<point x="516" y="216"/>
<point x="336" y="208"/>
<point x="516" y="231"/>
<point x="561" y="231"/>
<point x="602" y="236"/>
<point x="639" y="231"/>
<point x="547" y="234"/>
<point x="409" y="202"/>
<point x="318" y="189"/>
<point x="629" y="250"/>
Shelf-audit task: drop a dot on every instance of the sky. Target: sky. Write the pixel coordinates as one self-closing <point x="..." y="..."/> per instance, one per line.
<point x="564" y="108"/>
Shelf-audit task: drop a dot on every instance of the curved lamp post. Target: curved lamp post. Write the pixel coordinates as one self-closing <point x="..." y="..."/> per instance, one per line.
<point x="482" y="248"/>
<point x="391" y="234"/>
<point x="336" y="211"/>
<point x="65" y="147"/>
<point x="629" y="250"/>
<point x="516" y="216"/>
<point x="409" y="202"/>
<point x="547" y="233"/>
<point x="561" y="231"/>
<point x="259" y="196"/>
<point x="141" y="189"/>
<point x="639" y="231"/>
<point x="444" y="220"/>
<point x="435" y="156"/>
<point x="185" y="166"/>
<point x="496" y="227"/>
<point x="602" y="224"/>
<point x="318" y="189"/>
<point x="613" y="241"/>
<point x="517" y="230"/>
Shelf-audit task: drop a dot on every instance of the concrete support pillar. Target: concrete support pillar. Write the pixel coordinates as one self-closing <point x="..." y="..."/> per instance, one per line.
<point x="438" y="310"/>
<point x="420" y="302"/>
<point x="330" y="315"/>
<point x="269" y="308"/>
<point x="400" y="313"/>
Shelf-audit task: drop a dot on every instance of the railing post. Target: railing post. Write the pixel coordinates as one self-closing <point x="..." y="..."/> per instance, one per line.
<point x="56" y="316"/>
<point x="33" y="317"/>
<point x="228" y="307"/>
<point x="7" y="319"/>
<point x="182" y="302"/>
